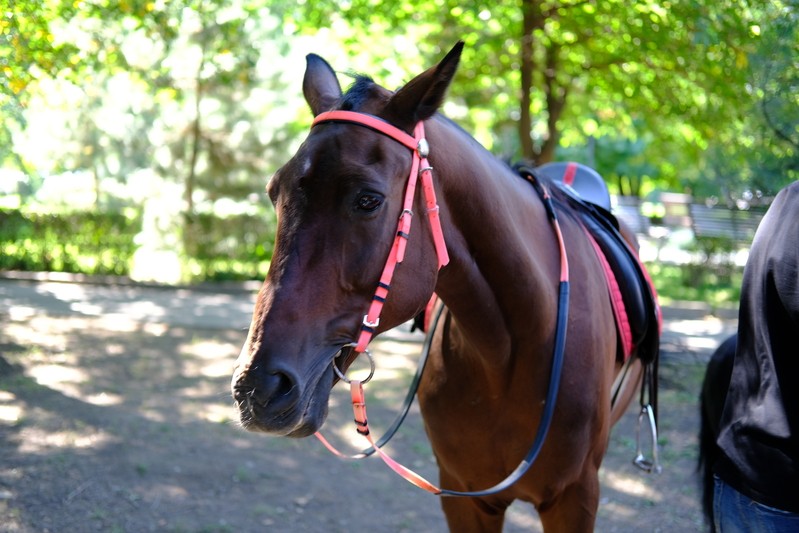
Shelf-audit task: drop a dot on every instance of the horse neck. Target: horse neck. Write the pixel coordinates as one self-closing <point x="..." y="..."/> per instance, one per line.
<point x="501" y="246"/>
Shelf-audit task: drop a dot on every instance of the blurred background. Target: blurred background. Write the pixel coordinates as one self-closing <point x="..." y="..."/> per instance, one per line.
<point x="136" y="137"/>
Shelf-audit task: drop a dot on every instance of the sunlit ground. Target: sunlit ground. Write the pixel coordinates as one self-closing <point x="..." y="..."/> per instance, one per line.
<point x="106" y="404"/>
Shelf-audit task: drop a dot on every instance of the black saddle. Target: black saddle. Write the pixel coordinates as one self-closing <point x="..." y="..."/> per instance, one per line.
<point x="637" y="294"/>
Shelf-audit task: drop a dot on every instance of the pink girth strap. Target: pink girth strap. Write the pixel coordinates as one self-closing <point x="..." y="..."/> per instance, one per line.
<point x="419" y="167"/>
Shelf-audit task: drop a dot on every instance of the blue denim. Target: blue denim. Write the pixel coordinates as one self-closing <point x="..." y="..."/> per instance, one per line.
<point x="735" y="513"/>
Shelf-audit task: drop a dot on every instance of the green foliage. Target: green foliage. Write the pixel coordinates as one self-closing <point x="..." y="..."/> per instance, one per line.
<point x="708" y="87"/>
<point x="703" y="92"/>
<point x="27" y="51"/>
<point x="236" y="247"/>
<point x="87" y="243"/>
<point x="717" y="286"/>
<point x="231" y="248"/>
<point x="28" y="48"/>
<point x="191" y="90"/>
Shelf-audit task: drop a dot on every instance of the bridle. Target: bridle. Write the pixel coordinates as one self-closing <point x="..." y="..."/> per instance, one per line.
<point x="421" y="168"/>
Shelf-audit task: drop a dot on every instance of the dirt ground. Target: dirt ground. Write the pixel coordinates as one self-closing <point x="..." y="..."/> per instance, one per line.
<point x="118" y="424"/>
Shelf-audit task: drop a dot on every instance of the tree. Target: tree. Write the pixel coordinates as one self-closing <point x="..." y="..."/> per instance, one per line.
<point x="154" y="96"/>
<point x="179" y="74"/>
<point x="671" y="81"/>
<point x="28" y="51"/>
<point x="759" y="154"/>
<point x="554" y="69"/>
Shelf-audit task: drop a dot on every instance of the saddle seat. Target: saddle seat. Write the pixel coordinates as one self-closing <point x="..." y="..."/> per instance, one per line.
<point x="580" y="180"/>
<point x="633" y="297"/>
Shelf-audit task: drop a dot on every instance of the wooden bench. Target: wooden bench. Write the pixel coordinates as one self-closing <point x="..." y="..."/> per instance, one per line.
<point x="628" y="210"/>
<point x="736" y="225"/>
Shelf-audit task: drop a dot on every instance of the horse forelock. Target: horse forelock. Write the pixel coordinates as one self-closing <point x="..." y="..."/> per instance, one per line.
<point x="362" y="90"/>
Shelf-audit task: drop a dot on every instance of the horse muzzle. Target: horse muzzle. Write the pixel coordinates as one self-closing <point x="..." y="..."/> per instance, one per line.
<point x="277" y="399"/>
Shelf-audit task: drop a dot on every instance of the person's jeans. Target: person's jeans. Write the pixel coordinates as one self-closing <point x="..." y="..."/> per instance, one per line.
<point x="735" y="513"/>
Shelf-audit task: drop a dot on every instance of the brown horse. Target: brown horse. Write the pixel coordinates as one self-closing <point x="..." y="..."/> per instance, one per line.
<point x="482" y="393"/>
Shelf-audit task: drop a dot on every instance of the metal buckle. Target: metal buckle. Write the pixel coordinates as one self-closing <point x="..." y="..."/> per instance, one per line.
<point x="344" y="378"/>
<point x="370" y="324"/>
<point x="422" y="148"/>
<point x="640" y="461"/>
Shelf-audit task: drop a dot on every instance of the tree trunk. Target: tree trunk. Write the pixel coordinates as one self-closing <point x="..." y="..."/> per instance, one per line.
<point x="532" y="20"/>
<point x="196" y="135"/>
<point x="556" y="101"/>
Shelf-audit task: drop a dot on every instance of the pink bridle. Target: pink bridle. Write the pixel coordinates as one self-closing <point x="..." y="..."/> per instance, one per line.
<point x="419" y="167"/>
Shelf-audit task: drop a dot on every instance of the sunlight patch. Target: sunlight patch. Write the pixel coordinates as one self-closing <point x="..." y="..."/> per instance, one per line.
<point x="210" y="349"/>
<point x="697" y="334"/>
<point x="21" y="312"/>
<point x="49" y="375"/>
<point x="220" y="414"/>
<point x="104" y="399"/>
<point x="10" y="414"/>
<point x="617" y="509"/>
<point x="86" y="308"/>
<point x="630" y="485"/>
<point x="41" y="440"/>
<point x="217" y="369"/>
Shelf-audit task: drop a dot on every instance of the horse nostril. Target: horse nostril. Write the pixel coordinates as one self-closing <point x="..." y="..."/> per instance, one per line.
<point x="273" y="389"/>
<point x="275" y="385"/>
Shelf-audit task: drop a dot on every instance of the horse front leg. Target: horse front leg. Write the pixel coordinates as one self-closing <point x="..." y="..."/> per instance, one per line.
<point x="574" y="509"/>
<point x="472" y="515"/>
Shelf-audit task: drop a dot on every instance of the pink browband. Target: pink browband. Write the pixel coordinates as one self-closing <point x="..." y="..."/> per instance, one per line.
<point x="419" y="167"/>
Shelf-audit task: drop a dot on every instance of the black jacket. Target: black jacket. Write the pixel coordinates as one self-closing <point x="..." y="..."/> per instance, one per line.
<point x="759" y="433"/>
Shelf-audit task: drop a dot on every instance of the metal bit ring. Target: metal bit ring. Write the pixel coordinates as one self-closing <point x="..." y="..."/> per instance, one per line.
<point x="344" y="378"/>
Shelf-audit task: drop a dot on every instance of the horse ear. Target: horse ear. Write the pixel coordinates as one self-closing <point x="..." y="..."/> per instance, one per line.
<point x="422" y="96"/>
<point x="320" y="84"/>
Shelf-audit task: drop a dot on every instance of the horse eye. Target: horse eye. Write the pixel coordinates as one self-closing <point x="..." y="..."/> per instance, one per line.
<point x="368" y="202"/>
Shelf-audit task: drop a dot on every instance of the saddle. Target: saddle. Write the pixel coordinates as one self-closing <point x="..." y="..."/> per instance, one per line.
<point x="634" y="300"/>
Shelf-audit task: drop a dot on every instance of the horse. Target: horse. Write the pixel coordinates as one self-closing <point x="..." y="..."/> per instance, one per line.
<point x="483" y="390"/>
<point x="711" y="403"/>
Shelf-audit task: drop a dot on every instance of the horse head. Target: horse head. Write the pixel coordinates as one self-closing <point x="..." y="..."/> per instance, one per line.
<point x="337" y="200"/>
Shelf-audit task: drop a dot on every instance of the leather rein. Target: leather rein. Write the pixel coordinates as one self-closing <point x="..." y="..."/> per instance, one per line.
<point x="421" y="168"/>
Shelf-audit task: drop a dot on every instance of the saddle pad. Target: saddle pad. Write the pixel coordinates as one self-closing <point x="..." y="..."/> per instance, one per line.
<point x="640" y="307"/>
<point x="616" y="301"/>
